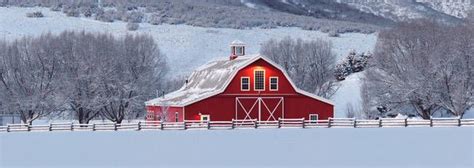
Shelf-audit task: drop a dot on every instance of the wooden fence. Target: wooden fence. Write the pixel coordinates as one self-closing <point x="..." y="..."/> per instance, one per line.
<point x="242" y="124"/>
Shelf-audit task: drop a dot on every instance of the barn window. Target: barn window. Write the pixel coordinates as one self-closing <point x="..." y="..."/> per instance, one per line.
<point x="274" y="83"/>
<point x="245" y="82"/>
<point x="259" y="83"/>
<point x="176" y="115"/>
<point x="205" y="118"/>
<point x="313" y="118"/>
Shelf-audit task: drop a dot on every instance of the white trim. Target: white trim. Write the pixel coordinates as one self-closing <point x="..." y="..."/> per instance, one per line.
<point x="255" y="80"/>
<point x="270" y="83"/>
<point x="248" y="80"/>
<point x="313" y="121"/>
<point x="250" y="61"/>
<point x="184" y="114"/>
<point x="206" y="115"/>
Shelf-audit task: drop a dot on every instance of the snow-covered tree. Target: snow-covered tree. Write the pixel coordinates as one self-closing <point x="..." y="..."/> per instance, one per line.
<point x="352" y="63"/>
<point x="30" y="72"/>
<point x="422" y="66"/>
<point x="133" y="77"/>
<point x="84" y="73"/>
<point x="309" y="63"/>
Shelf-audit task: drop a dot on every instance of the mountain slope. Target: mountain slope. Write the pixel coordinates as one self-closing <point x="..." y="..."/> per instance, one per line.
<point x="459" y="9"/>
<point x="399" y="10"/>
<point x="325" y="9"/>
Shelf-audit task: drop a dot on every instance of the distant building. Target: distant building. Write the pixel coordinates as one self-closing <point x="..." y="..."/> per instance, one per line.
<point x="242" y="87"/>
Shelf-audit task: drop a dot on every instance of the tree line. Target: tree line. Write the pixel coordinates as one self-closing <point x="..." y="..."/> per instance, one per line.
<point x="87" y="74"/>
<point x="421" y="68"/>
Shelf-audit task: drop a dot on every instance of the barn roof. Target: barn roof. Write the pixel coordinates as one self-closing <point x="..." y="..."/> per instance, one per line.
<point x="212" y="79"/>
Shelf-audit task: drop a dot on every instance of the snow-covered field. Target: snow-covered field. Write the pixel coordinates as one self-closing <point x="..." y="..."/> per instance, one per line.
<point x="327" y="148"/>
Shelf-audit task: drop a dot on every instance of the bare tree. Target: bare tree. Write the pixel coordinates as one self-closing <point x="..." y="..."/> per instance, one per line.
<point x="309" y="63"/>
<point x="83" y="55"/>
<point x="454" y="81"/>
<point x="29" y="74"/>
<point x="421" y="66"/>
<point x="88" y="74"/>
<point x="135" y="76"/>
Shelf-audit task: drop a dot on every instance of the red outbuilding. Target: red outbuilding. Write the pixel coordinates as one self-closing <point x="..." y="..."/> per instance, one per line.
<point x="242" y="87"/>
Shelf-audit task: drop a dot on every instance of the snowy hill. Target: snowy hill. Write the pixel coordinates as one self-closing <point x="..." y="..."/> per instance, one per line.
<point x="348" y="93"/>
<point x="182" y="44"/>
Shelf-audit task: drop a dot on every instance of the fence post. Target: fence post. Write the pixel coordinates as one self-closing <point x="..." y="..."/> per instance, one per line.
<point x="302" y="123"/>
<point x="233" y="125"/>
<point x="459" y="122"/>
<point x="355" y="123"/>
<point x="184" y="125"/>
<point x="431" y="122"/>
<point x="50" y="127"/>
<point x="93" y="127"/>
<point x="8" y="128"/>
<point x="329" y="122"/>
<point x="208" y="125"/>
<point x="161" y="125"/>
<point x="115" y="126"/>
<point x="255" y="123"/>
<point x="28" y="127"/>
<point x="139" y="127"/>
<point x="380" y="122"/>
<point x="279" y="123"/>
<point x="72" y="126"/>
<point x="406" y="122"/>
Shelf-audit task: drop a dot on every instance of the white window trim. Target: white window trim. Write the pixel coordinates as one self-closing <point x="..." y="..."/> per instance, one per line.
<point x="313" y="121"/>
<point x="270" y="83"/>
<point x="248" y="79"/>
<point x="241" y="49"/>
<point x="208" y="117"/>
<point x="255" y="80"/>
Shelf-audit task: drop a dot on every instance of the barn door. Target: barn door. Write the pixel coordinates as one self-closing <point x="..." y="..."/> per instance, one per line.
<point x="271" y="108"/>
<point x="259" y="108"/>
<point x="246" y="108"/>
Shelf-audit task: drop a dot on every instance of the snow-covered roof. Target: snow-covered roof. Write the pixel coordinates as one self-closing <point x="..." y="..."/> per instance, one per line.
<point x="212" y="79"/>
<point x="237" y="43"/>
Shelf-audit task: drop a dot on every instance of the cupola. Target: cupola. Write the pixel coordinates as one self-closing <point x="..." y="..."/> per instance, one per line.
<point x="237" y="48"/>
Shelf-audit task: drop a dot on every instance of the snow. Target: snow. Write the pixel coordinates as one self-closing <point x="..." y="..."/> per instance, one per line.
<point x="328" y="148"/>
<point x="207" y="80"/>
<point x="348" y="93"/>
<point x="249" y="4"/>
<point x="187" y="47"/>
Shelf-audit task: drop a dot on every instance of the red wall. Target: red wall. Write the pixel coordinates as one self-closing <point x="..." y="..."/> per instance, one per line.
<point x="155" y="110"/>
<point x="222" y="107"/>
<point x="284" y="85"/>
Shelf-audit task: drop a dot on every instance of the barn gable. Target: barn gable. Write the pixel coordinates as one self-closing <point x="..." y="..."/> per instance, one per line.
<point x="213" y="78"/>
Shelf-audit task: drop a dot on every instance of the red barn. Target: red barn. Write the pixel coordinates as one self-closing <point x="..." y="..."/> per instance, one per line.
<point x="240" y="87"/>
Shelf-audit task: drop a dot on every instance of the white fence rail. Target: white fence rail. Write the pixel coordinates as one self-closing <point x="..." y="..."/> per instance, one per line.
<point x="243" y="124"/>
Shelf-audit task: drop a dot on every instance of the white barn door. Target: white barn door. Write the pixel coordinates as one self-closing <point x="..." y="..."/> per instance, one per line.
<point x="259" y="108"/>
